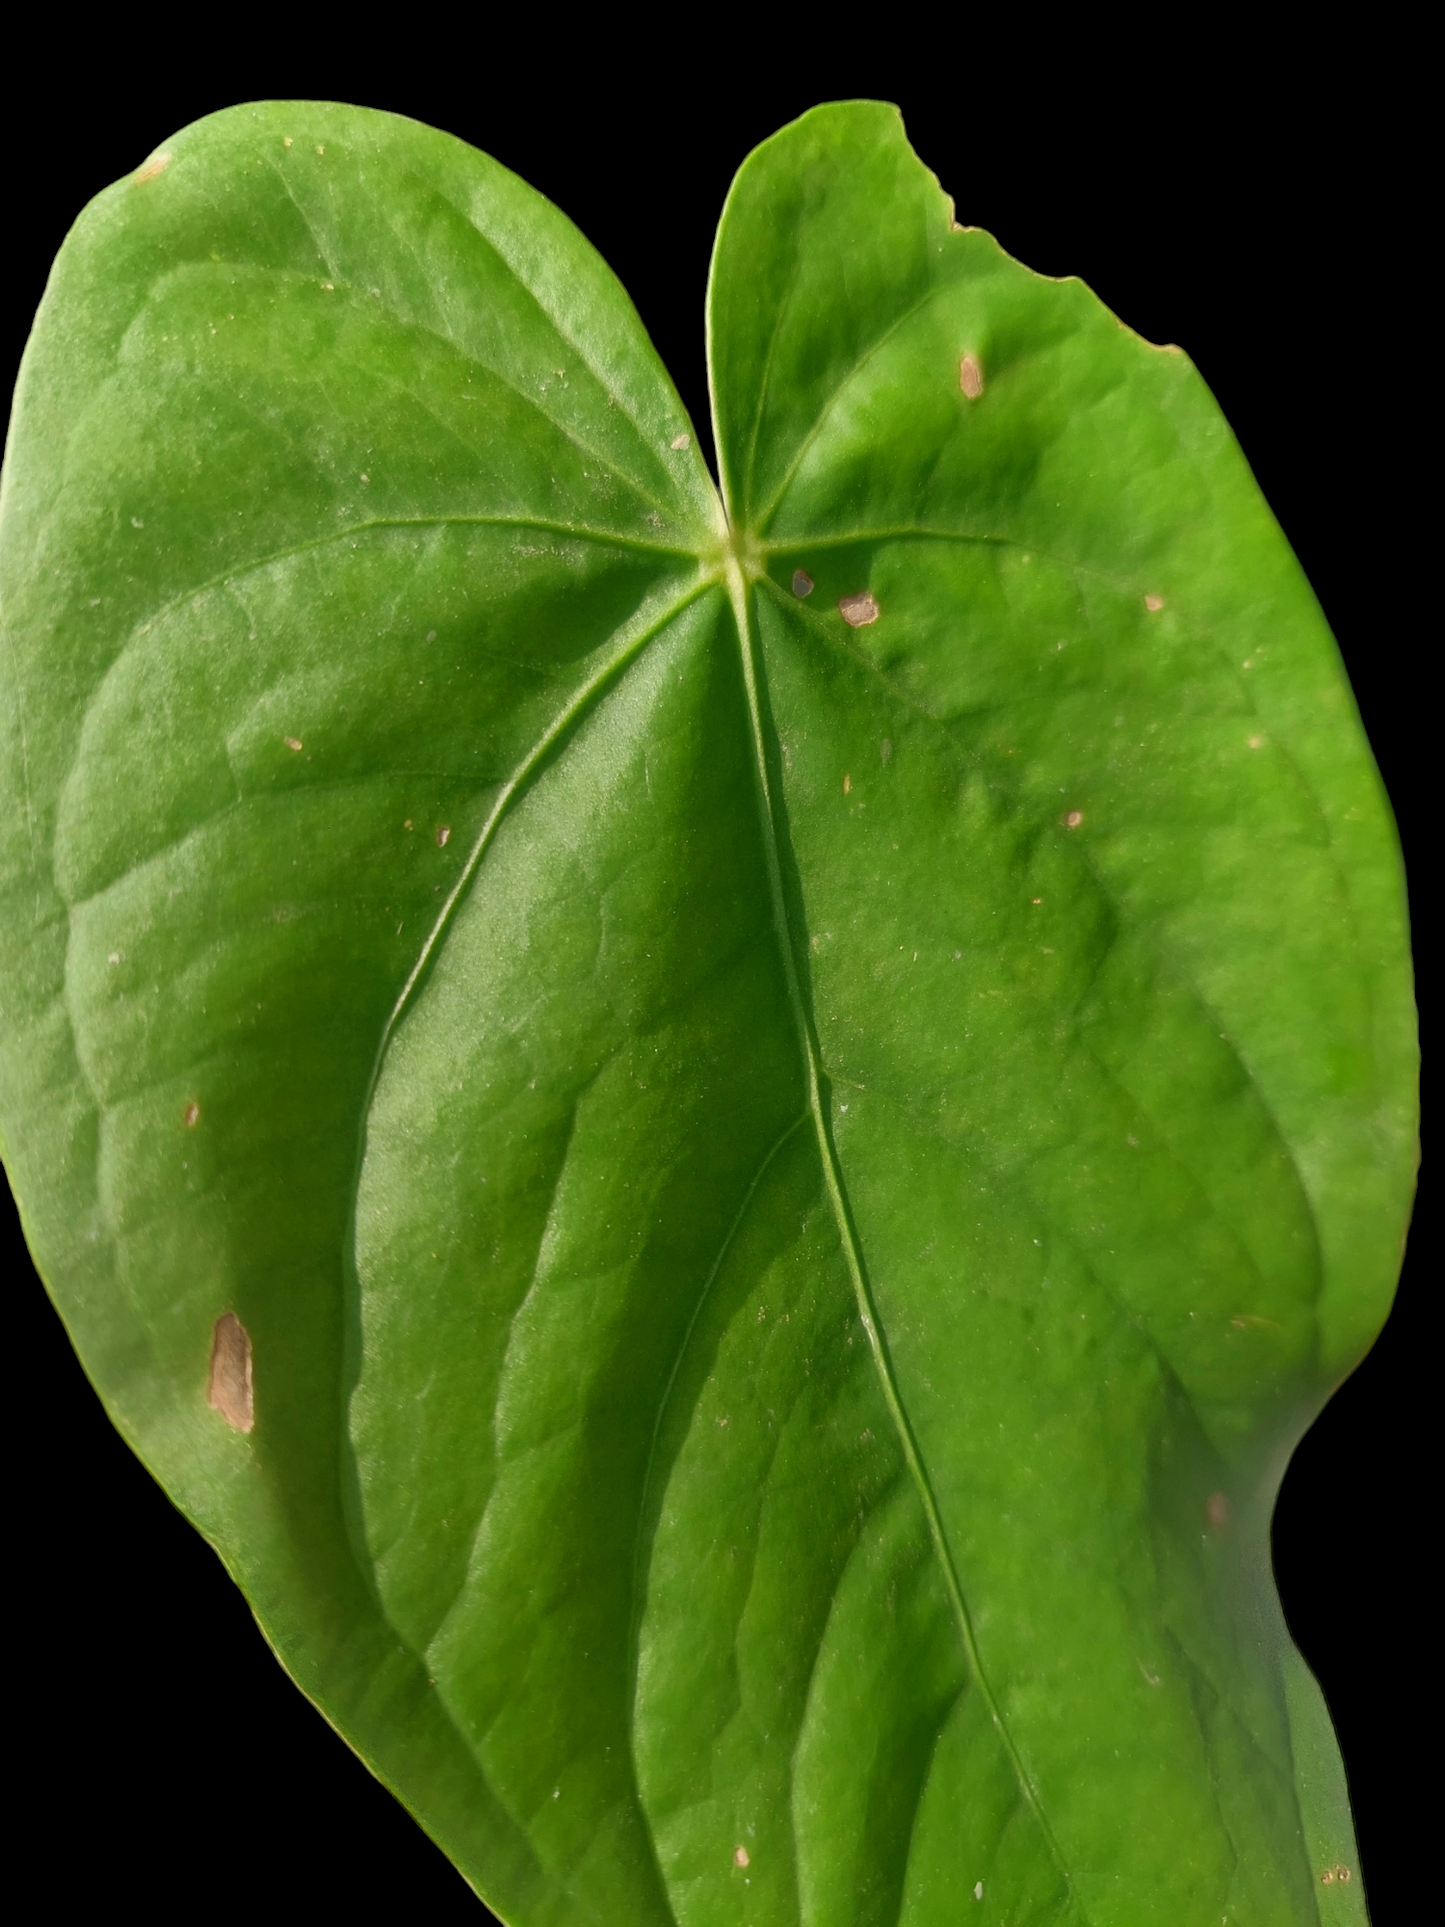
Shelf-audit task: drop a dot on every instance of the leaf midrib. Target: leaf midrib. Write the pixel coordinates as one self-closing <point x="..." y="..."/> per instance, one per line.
<point x="739" y="593"/>
<point x="562" y="724"/>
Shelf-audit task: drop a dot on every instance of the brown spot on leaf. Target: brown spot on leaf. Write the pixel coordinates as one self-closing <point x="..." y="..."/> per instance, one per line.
<point x="802" y="583"/>
<point x="193" y="1113"/>
<point x="970" y="377"/>
<point x="229" y="1391"/>
<point x="157" y="165"/>
<point x="858" y="610"/>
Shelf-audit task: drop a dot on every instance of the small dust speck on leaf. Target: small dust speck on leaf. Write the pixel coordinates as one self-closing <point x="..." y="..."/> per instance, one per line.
<point x="885" y="750"/>
<point x="285" y="140"/>
<point x="970" y="377"/>
<point x="230" y="1389"/>
<point x="1153" y="603"/>
<point x="431" y="635"/>
<point x="444" y="830"/>
<point x="847" y="784"/>
<point x="858" y="610"/>
<point x="978" y="1890"/>
<point x="319" y="148"/>
<point x="193" y="1113"/>
<point x="1074" y="819"/>
<point x="682" y="441"/>
<point x="406" y="823"/>
<point x="1256" y="742"/>
<point x="293" y="742"/>
<point x="802" y="583"/>
<point x="740" y="1857"/>
<point x="136" y="522"/>
<point x="1217" y="1506"/>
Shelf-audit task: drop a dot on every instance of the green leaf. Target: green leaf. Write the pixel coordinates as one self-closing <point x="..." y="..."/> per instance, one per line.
<point x="720" y="1152"/>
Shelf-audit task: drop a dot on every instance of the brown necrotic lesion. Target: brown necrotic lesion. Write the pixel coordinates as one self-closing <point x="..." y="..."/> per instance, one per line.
<point x="230" y="1390"/>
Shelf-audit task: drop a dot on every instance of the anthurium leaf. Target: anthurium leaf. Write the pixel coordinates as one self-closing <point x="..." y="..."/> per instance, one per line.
<point x="721" y="1149"/>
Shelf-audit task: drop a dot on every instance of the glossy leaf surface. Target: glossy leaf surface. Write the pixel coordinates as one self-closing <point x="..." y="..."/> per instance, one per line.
<point x="721" y="1150"/>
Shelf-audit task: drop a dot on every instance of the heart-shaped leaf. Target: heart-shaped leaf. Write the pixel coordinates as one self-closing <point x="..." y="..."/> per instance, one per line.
<point x="721" y="1151"/>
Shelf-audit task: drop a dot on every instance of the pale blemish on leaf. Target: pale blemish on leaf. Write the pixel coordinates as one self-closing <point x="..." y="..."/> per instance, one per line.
<point x="1256" y="742"/>
<point x="1330" y="1875"/>
<point x="885" y="750"/>
<point x="847" y="784"/>
<point x="970" y="377"/>
<point x="192" y="1114"/>
<point x="444" y="830"/>
<point x="740" y="1857"/>
<point x="230" y="1390"/>
<point x="1153" y="603"/>
<point x="1074" y="819"/>
<point x="293" y="742"/>
<point x="1217" y="1506"/>
<point x="978" y="1890"/>
<point x="802" y="583"/>
<point x="682" y="441"/>
<point x="858" y="610"/>
<point x="157" y="165"/>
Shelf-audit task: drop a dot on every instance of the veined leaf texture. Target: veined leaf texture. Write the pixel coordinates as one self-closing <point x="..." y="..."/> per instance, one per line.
<point x="720" y="1140"/>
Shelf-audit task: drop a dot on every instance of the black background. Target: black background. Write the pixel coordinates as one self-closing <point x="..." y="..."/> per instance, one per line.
<point x="1253" y="207"/>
